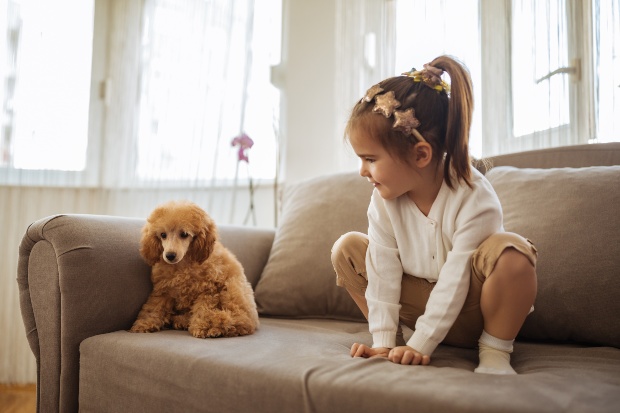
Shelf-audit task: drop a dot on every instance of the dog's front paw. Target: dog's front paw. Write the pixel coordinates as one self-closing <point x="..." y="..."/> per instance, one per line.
<point x="180" y="321"/>
<point x="141" y="327"/>
<point x="245" y="329"/>
<point x="212" y="332"/>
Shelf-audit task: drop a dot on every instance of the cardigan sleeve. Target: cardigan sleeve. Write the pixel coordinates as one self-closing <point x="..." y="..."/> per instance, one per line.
<point x="384" y="271"/>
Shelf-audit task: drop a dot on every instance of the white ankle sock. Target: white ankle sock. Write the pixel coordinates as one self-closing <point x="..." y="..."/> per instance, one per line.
<point x="494" y="355"/>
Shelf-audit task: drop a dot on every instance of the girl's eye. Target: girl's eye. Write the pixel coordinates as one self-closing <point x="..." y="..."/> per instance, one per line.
<point x="184" y="234"/>
<point x="163" y="235"/>
<point x="369" y="160"/>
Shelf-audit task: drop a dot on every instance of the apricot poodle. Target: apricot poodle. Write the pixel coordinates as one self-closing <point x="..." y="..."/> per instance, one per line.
<point x="198" y="284"/>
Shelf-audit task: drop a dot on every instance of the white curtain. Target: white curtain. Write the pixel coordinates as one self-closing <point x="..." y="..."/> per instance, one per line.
<point x="377" y="39"/>
<point x="606" y="63"/>
<point x="427" y="29"/>
<point x="364" y="48"/>
<point x="175" y="83"/>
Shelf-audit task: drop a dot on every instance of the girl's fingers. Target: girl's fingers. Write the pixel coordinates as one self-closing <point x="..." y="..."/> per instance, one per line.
<point x="403" y="356"/>
<point x="354" y="349"/>
<point x="358" y="350"/>
<point x="408" y="358"/>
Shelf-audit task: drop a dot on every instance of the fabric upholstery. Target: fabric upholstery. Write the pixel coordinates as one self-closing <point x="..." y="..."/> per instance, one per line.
<point x="304" y="366"/>
<point x="577" y="156"/>
<point x="299" y="280"/>
<point x="571" y="215"/>
<point x="83" y="280"/>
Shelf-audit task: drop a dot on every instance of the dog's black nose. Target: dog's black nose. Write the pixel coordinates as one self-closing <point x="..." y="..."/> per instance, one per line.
<point x="170" y="256"/>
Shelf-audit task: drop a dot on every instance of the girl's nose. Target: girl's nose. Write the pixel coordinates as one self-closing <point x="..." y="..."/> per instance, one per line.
<point x="363" y="171"/>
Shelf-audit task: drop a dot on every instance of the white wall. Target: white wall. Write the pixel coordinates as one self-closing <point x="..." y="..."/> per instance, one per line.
<point x="311" y="131"/>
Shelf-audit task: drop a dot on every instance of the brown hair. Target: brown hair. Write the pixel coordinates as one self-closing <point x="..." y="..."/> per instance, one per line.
<point x="444" y="119"/>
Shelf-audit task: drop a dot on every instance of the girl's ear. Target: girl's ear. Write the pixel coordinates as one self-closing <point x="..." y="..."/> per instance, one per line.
<point x="422" y="154"/>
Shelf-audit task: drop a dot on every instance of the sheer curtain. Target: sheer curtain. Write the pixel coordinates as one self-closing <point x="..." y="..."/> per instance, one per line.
<point x="364" y="48"/>
<point x="427" y="29"/>
<point x="376" y="39"/>
<point x="171" y="84"/>
<point x="606" y="27"/>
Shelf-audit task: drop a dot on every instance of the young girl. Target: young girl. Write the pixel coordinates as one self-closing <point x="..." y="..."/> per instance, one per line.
<point x="436" y="256"/>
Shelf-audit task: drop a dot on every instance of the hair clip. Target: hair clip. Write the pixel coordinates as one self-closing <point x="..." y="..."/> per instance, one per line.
<point x="372" y="92"/>
<point x="406" y="122"/>
<point x="430" y="76"/>
<point x="386" y="104"/>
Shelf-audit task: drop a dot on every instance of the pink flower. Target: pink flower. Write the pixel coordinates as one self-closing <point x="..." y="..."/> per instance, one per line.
<point x="244" y="142"/>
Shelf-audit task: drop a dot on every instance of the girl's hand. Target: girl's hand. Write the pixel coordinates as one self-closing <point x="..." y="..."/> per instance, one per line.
<point x="407" y="355"/>
<point x="361" y="350"/>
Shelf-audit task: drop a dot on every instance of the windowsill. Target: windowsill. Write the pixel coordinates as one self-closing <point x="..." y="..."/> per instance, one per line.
<point x="206" y="185"/>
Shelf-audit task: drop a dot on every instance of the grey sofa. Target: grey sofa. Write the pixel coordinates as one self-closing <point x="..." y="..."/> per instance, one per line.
<point x="82" y="283"/>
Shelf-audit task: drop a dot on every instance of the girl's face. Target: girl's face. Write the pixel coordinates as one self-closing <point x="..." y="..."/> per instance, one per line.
<point x="390" y="176"/>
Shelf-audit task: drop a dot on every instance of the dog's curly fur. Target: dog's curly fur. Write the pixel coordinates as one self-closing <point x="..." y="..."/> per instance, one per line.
<point x="198" y="284"/>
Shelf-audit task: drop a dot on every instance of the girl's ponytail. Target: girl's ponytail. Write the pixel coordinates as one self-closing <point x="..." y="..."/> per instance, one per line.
<point x="460" y="109"/>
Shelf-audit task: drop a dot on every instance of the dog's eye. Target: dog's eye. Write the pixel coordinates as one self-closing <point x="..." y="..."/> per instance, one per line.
<point x="184" y="234"/>
<point x="163" y="235"/>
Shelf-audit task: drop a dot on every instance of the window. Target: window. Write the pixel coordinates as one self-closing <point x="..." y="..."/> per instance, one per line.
<point x="607" y="65"/>
<point x="205" y="79"/>
<point x="545" y="72"/>
<point x="557" y="84"/>
<point x="540" y="57"/>
<point x="138" y="92"/>
<point x="47" y="53"/>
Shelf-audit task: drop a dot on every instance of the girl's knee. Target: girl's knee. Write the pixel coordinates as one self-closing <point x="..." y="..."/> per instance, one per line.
<point x="349" y="261"/>
<point x="351" y="243"/>
<point x="510" y="251"/>
<point x="514" y="262"/>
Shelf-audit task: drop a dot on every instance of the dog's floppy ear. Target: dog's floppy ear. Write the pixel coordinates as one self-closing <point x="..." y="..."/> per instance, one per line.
<point x="204" y="241"/>
<point x="150" y="246"/>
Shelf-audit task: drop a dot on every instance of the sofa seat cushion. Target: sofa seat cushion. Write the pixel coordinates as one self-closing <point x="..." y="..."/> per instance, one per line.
<point x="304" y="365"/>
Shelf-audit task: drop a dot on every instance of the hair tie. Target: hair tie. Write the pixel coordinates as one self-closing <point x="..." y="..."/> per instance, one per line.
<point x="430" y="76"/>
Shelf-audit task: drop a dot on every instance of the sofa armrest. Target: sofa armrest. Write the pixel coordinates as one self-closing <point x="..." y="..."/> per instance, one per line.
<point x="82" y="275"/>
<point x="79" y="276"/>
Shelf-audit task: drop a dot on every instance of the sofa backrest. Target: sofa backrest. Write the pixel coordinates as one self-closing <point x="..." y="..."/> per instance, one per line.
<point x="578" y="156"/>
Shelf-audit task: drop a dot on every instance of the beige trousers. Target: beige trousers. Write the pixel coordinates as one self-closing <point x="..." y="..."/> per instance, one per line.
<point x="349" y="260"/>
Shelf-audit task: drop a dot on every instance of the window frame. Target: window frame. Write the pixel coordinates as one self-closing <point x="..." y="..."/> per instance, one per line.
<point x="498" y="136"/>
<point x="89" y="176"/>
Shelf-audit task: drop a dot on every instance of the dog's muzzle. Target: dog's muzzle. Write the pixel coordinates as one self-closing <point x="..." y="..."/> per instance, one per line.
<point x="170" y="257"/>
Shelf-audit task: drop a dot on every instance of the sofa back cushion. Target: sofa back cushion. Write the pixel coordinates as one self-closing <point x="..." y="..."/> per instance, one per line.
<point x="572" y="216"/>
<point x="299" y="279"/>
